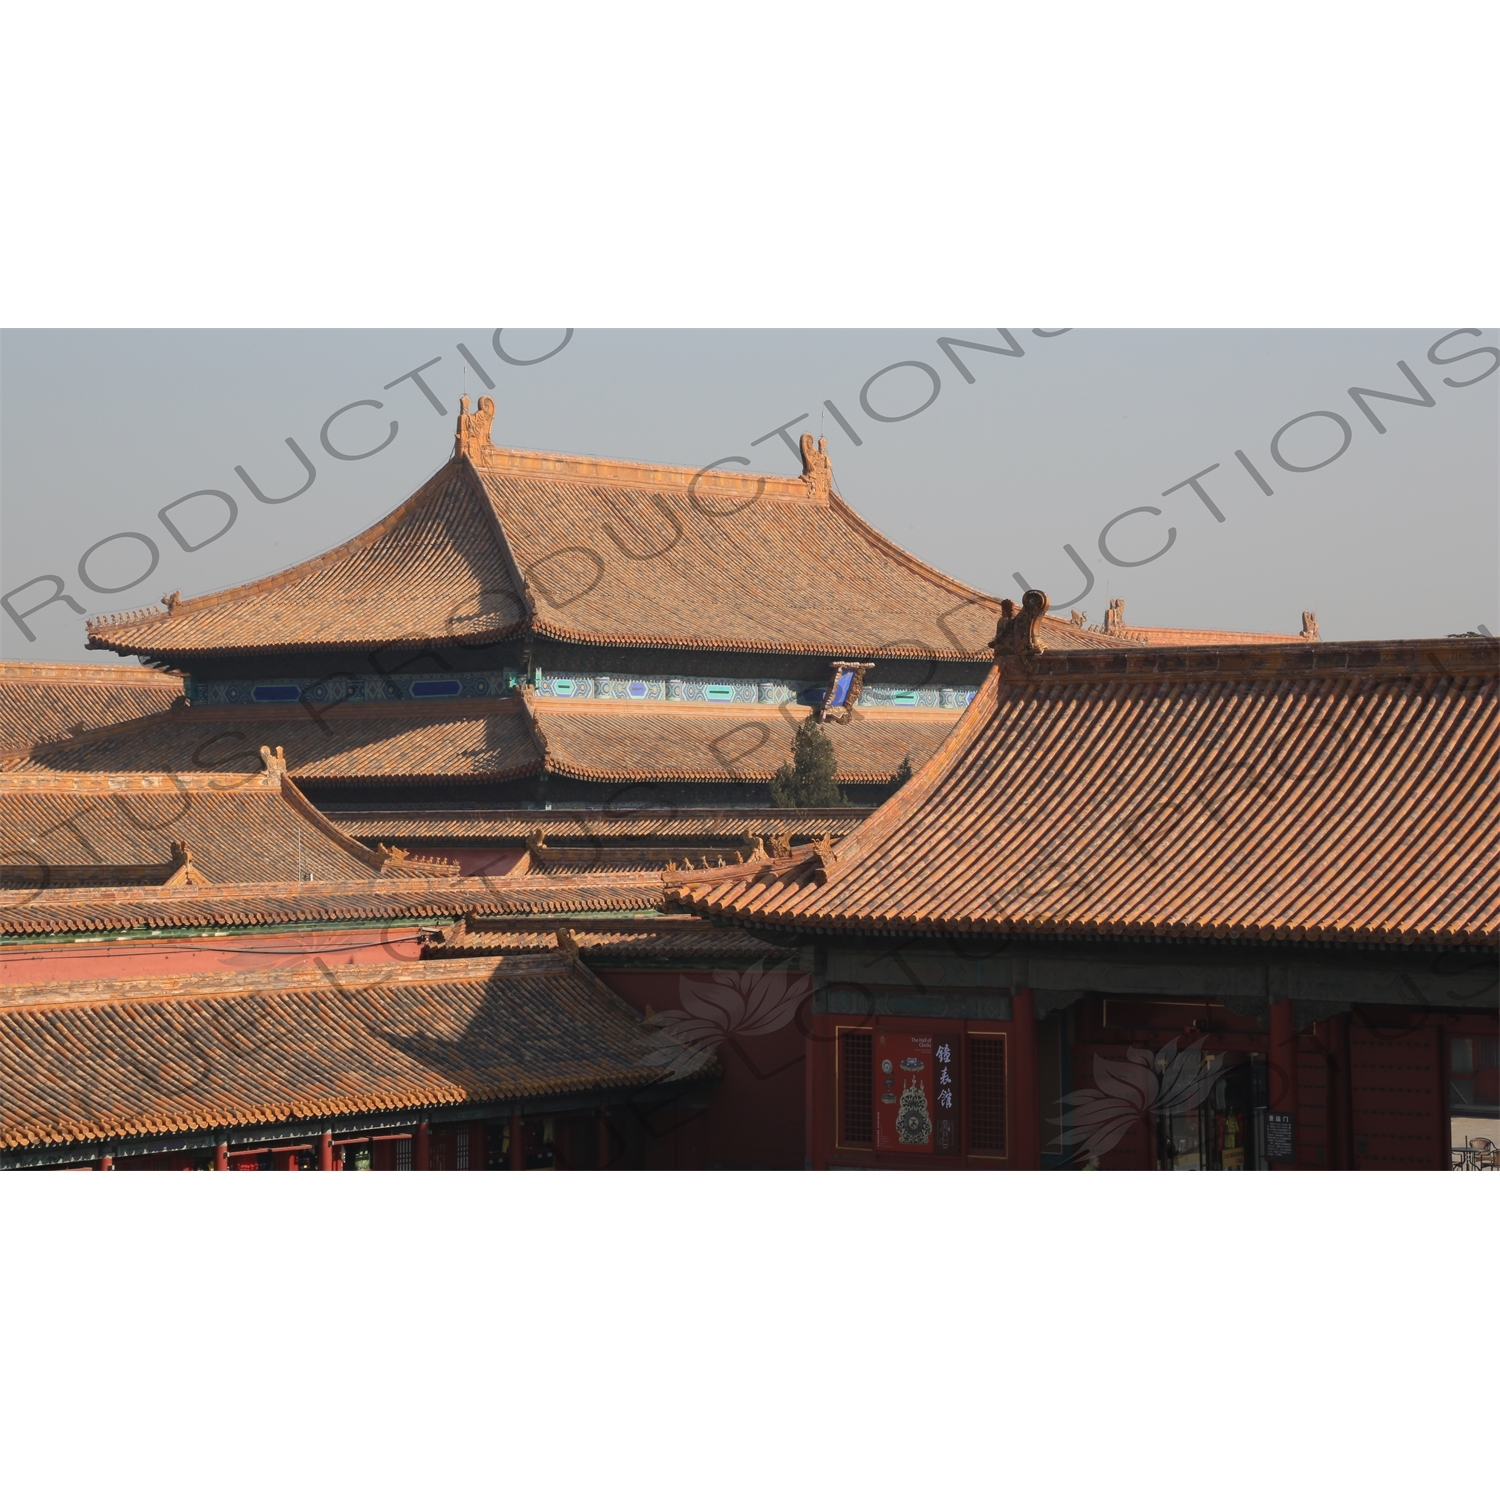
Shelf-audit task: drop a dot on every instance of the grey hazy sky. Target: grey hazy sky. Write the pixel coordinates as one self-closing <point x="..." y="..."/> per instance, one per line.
<point x="1397" y="537"/>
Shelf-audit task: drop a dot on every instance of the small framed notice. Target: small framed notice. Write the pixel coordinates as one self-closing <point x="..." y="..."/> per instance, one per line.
<point x="1281" y="1141"/>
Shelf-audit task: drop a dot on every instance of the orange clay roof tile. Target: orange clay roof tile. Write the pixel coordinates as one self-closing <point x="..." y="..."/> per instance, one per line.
<point x="60" y="830"/>
<point x="501" y="740"/>
<point x="130" y="1058"/>
<point x="612" y="743"/>
<point x="602" y="552"/>
<point x="1296" y="793"/>
<point x="396" y="899"/>
<point x="478" y="741"/>
<point x="687" y="940"/>
<point x="42" y="701"/>
<point x="433" y="570"/>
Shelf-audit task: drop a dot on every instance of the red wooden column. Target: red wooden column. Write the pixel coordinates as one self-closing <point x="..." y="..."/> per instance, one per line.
<point x="1026" y="1108"/>
<point x="1283" y="1068"/>
<point x="517" y="1142"/>
<point x="106" y="1164"/>
<point x="421" y="1148"/>
<point x="603" y="1139"/>
<point x="1340" y="1095"/>
<point x="810" y="1056"/>
<point x="325" y="1151"/>
<point x="221" y="1157"/>
<point x="477" y="1158"/>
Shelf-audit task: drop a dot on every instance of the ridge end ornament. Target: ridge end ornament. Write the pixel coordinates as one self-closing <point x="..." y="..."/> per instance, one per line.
<point x="472" y="440"/>
<point x="1016" y="632"/>
<point x="817" y="467"/>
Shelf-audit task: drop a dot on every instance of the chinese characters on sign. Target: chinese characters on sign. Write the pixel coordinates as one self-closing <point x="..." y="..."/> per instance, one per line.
<point x="917" y="1106"/>
<point x="1280" y="1139"/>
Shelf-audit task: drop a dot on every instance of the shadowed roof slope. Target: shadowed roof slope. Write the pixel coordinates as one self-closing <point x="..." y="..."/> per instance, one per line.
<point x="477" y="740"/>
<point x="1311" y="793"/>
<point x="613" y="743"/>
<point x="496" y="740"/>
<point x="129" y="1058"/>
<point x="51" y="700"/>
<point x="123" y="830"/>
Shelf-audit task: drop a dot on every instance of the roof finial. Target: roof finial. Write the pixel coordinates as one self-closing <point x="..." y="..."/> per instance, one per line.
<point x="1309" y="625"/>
<point x="275" y="764"/>
<point x="474" y="429"/>
<point x="1015" y="637"/>
<point x="184" y="871"/>
<point x="1114" y="617"/>
<point x="817" y="469"/>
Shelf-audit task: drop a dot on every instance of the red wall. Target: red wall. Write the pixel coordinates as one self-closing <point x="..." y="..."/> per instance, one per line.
<point x="823" y="1149"/>
<point x="1398" y="1119"/>
<point x="113" y="959"/>
<point x="752" y="1118"/>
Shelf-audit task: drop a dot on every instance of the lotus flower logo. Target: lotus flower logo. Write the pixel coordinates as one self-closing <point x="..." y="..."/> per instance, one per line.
<point x="1143" y="1085"/>
<point x="735" y="1003"/>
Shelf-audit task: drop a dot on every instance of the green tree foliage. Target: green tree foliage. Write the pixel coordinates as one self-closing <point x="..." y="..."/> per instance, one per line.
<point x="810" y="778"/>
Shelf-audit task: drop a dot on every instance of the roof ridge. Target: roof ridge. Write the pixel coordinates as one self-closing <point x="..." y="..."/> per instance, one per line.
<point x="890" y="812"/>
<point x="159" y="988"/>
<point x="85" y="671"/>
<point x="908" y="560"/>
<point x="153" y="782"/>
<point x="1293" y="657"/>
<point x="473" y="443"/>
<point x="381" y="860"/>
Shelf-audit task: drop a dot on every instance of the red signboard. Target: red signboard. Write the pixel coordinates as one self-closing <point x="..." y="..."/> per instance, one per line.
<point x="916" y="1092"/>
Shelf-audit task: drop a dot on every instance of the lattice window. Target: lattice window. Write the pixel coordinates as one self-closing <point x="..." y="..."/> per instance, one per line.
<point x="462" y="1163"/>
<point x="403" y="1156"/>
<point x="857" y="1085"/>
<point x="986" y="1093"/>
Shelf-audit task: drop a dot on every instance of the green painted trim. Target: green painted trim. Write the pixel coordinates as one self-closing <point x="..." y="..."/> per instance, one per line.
<point x="149" y="934"/>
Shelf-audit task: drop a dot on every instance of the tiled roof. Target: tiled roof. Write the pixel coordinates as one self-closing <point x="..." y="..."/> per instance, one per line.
<point x="598" y="551"/>
<point x="130" y="1058"/>
<point x="130" y="830"/>
<point x="596" y="827"/>
<point x="394" y="900"/>
<point x="1307" y="793"/>
<point x="497" y="741"/>
<point x="433" y="570"/>
<point x="479" y="741"/>
<point x="51" y="700"/>
<point x="621" y="553"/>
<point x="687" y="940"/>
<point x="601" y="742"/>
<point x="606" y="859"/>
<point x="1119" y="634"/>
